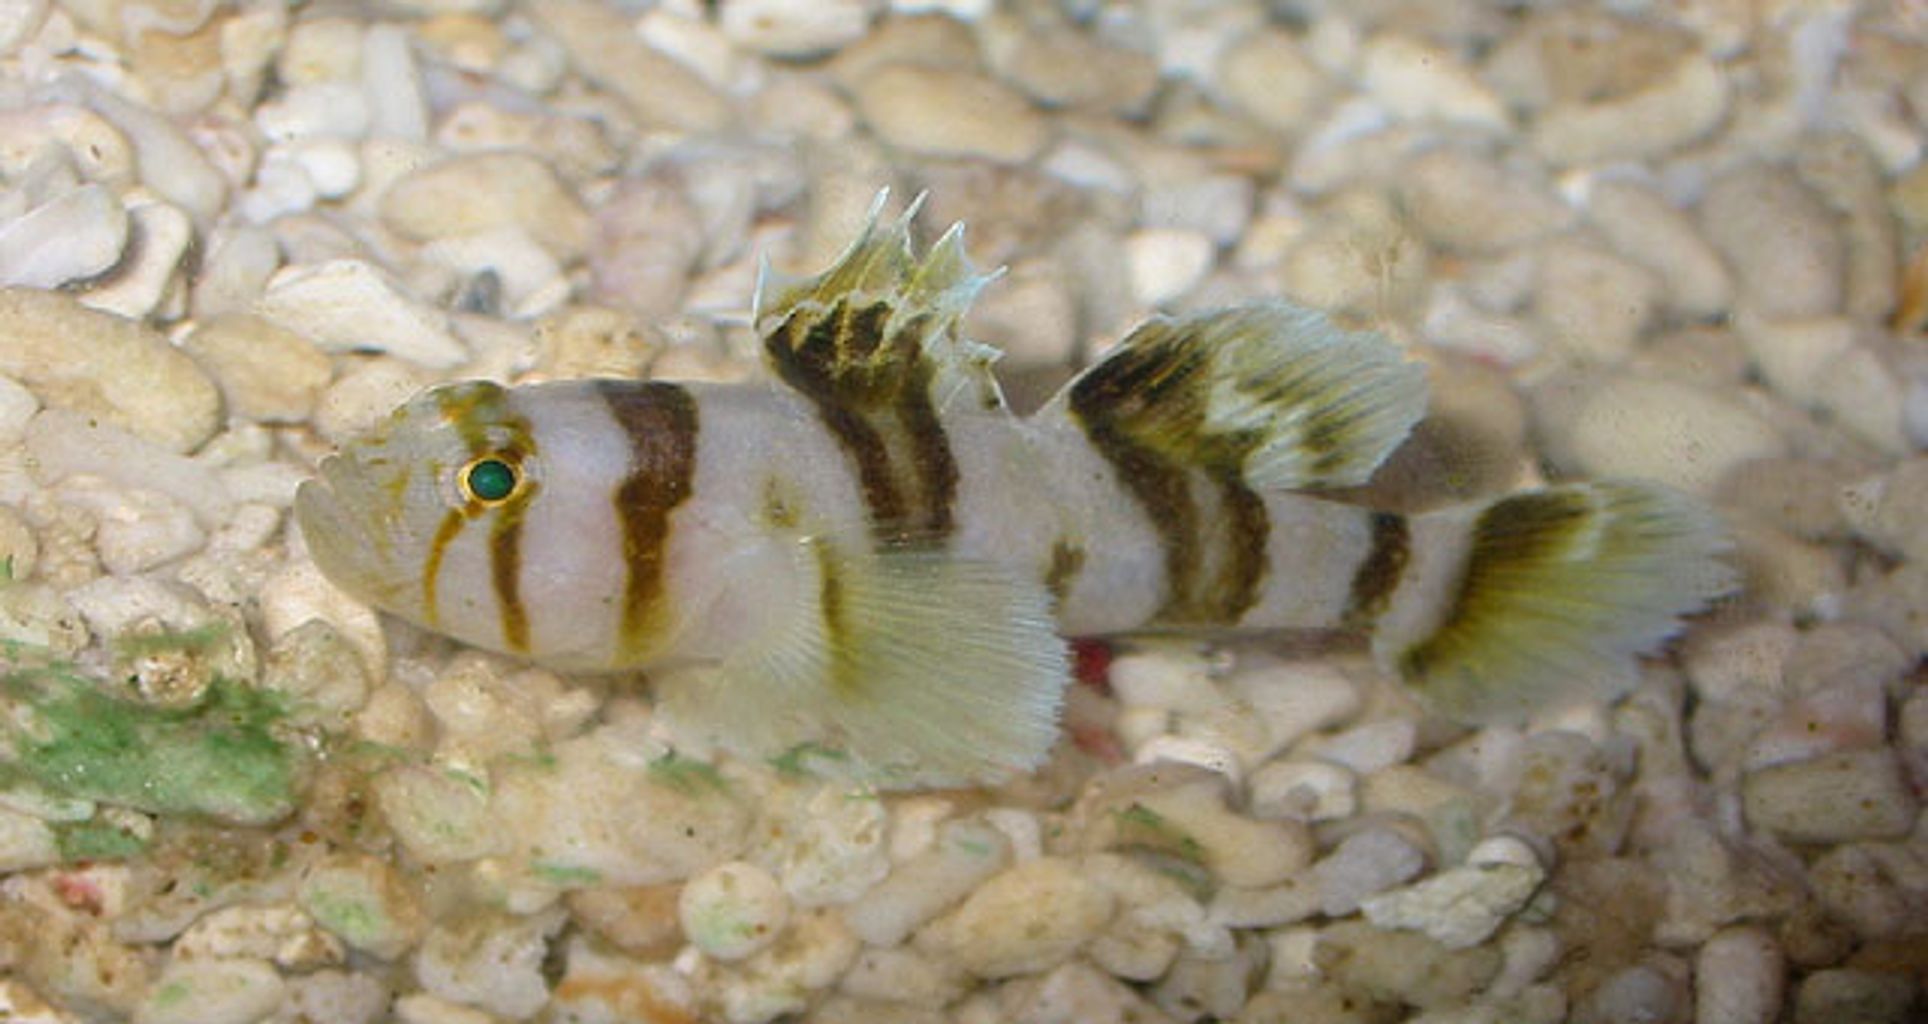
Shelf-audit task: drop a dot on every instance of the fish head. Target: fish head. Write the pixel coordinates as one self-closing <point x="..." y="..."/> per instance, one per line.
<point x="401" y="517"/>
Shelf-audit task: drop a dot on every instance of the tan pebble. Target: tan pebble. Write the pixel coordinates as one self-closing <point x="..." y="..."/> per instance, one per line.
<point x="1066" y="68"/>
<point x="215" y="991"/>
<point x="324" y="49"/>
<point x="1783" y="244"/>
<point x="593" y="341"/>
<point x="1855" y="794"/>
<point x="641" y="920"/>
<point x="1028" y="919"/>
<point x="924" y="40"/>
<point x="183" y="73"/>
<point x="1029" y="314"/>
<point x="19" y="549"/>
<point x="18" y="21"/>
<point x="465" y="195"/>
<point x="950" y="113"/>
<point x="1268" y="76"/>
<point x="469" y="41"/>
<point x="299" y="593"/>
<point x="97" y="149"/>
<point x="1464" y="201"/>
<point x="170" y="162"/>
<point x="1645" y="228"/>
<point x="363" y="395"/>
<point x="1677" y="107"/>
<point x="1664" y="430"/>
<point x="99" y="364"/>
<point x="661" y="93"/>
<point x="1591" y="304"/>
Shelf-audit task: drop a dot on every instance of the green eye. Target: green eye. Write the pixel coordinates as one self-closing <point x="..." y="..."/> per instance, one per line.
<point x="489" y="480"/>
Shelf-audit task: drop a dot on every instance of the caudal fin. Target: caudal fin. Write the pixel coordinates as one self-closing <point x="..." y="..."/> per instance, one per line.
<point x="1545" y="597"/>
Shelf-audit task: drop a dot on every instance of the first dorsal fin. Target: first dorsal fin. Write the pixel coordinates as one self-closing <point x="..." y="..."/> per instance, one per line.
<point x="880" y="321"/>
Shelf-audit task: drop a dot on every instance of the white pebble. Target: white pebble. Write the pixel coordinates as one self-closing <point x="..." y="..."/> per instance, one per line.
<point x="1216" y="205"/>
<point x="476" y="192"/>
<point x="1366" y="863"/>
<point x="732" y="910"/>
<point x="333" y="167"/>
<point x="964" y="855"/>
<point x="1642" y="992"/>
<point x="238" y="991"/>
<point x="1166" y="263"/>
<point x="392" y="84"/>
<point x="1370" y="747"/>
<point x="1187" y="750"/>
<point x="73" y="236"/>
<point x="1453" y="321"/>
<point x="347" y="305"/>
<point x="333" y="110"/>
<point x="1297" y="698"/>
<point x="18" y="21"/>
<point x="137" y="287"/>
<point x="142" y="531"/>
<point x="1306" y="790"/>
<point x="26" y="842"/>
<point x="1854" y="794"/>
<point x="1464" y="906"/>
<point x="532" y="281"/>
<point x="170" y="162"/>
<point x="1784" y="245"/>
<point x="794" y="28"/>
<point x="281" y="187"/>
<point x="1677" y="108"/>
<point x="1740" y="978"/>
<point x="64" y="444"/>
<point x="299" y="593"/>
<point x="1164" y="679"/>
<point x="1416" y="81"/>
<point x="490" y="961"/>
<point x="1822" y="363"/>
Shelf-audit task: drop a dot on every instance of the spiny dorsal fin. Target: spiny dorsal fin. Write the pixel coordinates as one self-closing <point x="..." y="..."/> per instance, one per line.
<point x="1559" y="590"/>
<point x="880" y="320"/>
<point x="924" y="669"/>
<point x="1272" y="391"/>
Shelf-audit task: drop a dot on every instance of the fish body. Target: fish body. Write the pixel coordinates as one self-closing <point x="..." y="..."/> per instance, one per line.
<point x="870" y="551"/>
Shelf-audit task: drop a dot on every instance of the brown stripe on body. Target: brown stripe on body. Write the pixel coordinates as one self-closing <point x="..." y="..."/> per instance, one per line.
<point x="480" y="413"/>
<point x="1157" y="460"/>
<point x="1378" y="574"/>
<point x="660" y="421"/>
<point x="870" y="382"/>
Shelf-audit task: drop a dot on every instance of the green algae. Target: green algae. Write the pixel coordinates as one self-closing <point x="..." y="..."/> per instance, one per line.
<point x="96" y="840"/>
<point x="219" y="757"/>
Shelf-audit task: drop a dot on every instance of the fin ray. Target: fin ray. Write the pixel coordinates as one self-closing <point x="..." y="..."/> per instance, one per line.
<point x="1561" y="588"/>
<point x="1273" y="391"/>
<point x="924" y="669"/>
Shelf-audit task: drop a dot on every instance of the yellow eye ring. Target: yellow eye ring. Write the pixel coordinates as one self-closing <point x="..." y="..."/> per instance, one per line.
<point x="489" y="480"/>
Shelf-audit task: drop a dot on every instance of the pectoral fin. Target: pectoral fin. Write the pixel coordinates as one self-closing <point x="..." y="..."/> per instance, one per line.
<point x="924" y="669"/>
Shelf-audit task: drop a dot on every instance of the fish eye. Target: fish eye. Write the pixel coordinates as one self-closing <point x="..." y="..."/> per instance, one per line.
<point x="489" y="480"/>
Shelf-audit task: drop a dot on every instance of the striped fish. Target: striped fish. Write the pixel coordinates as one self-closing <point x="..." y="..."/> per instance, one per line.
<point x="871" y="552"/>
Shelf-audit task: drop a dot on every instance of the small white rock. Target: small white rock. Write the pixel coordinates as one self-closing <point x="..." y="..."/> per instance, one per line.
<point x="1366" y="863"/>
<point x="76" y="235"/>
<point x="1740" y="978"/>
<point x="348" y="305"/>
<point x="490" y="961"/>
<point x="794" y="28"/>
<point x="137" y="287"/>
<point x="1464" y="906"/>
<point x="733" y="910"/>
<point x="1268" y="76"/>
<point x="300" y="593"/>
<point x="1417" y="81"/>
<point x="1166" y="263"/>
<point x="531" y="279"/>
<point x="330" y="110"/>
<point x="1296" y="698"/>
<point x="1368" y="748"/>
<point x="238" y="991"/>
<point x="1464" y="201"/>
<point x="392" y="84"/>
<point x="1306" y="790"/>
<point x="1026" y="920"/>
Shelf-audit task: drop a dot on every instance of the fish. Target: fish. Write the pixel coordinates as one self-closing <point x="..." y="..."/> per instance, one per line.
<point x="868" y="552"/>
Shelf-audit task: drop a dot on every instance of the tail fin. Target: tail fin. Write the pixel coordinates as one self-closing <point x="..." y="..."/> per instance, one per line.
<point x="1274" y="393"/>
<point x="1546" y="596"/>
